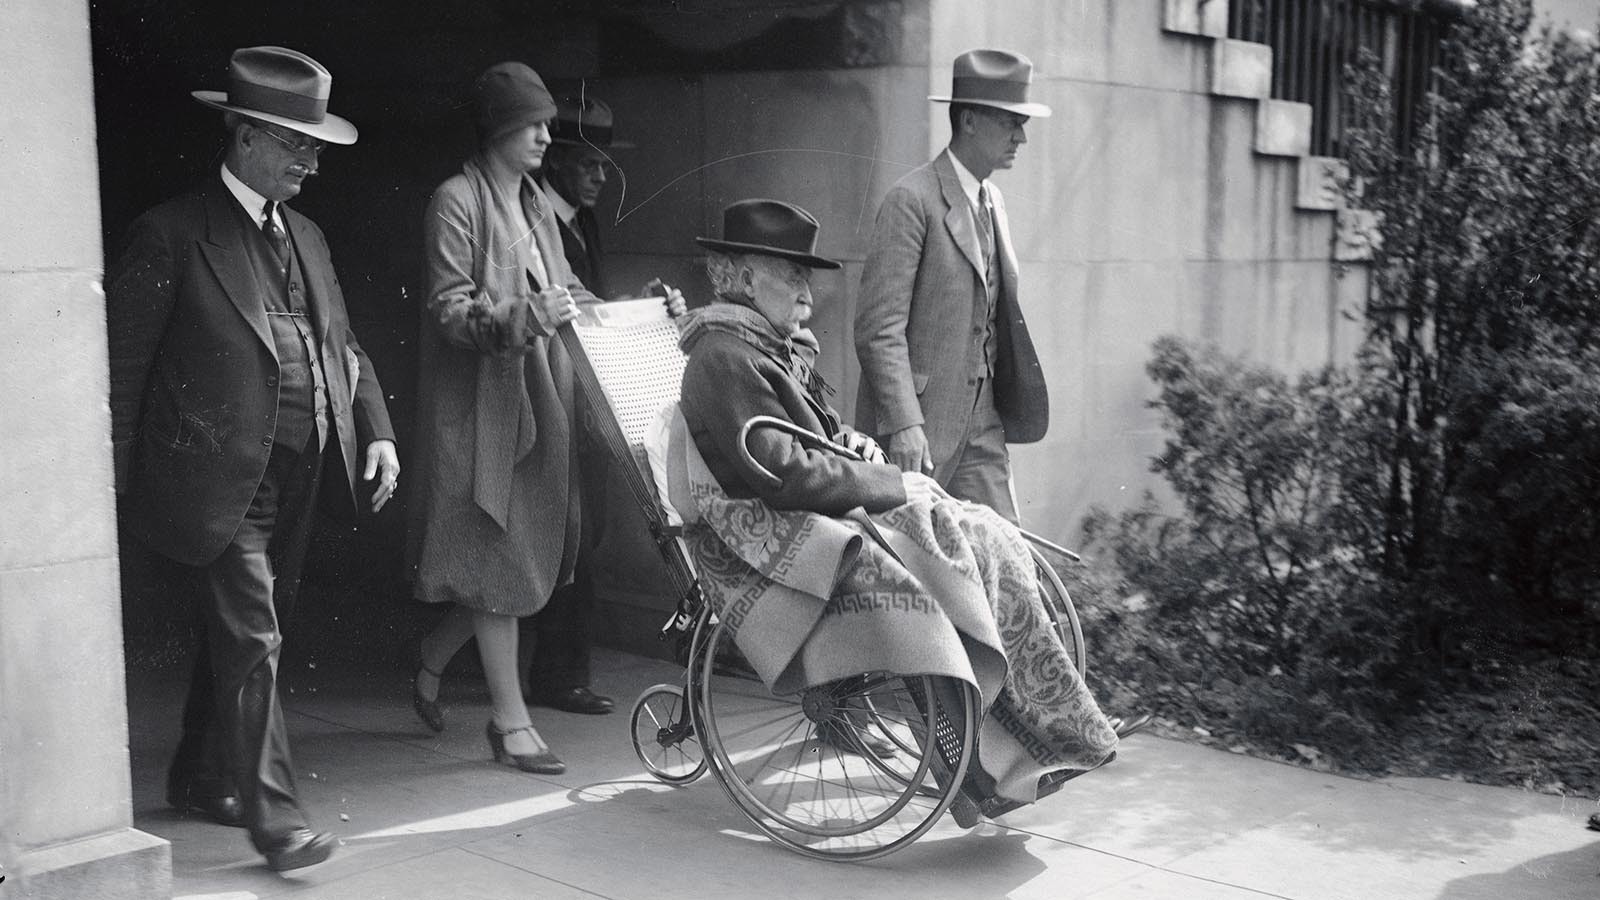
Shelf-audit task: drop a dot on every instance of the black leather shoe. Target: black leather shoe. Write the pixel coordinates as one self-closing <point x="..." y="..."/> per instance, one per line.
<point x="1124" y="727"/>
<point x="574" y="700"/>
<point x="300" y="848"/>
<point x="221" y="808"/>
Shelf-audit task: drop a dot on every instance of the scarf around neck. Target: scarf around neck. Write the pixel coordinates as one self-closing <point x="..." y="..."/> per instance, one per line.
<point x="796" y="351"/>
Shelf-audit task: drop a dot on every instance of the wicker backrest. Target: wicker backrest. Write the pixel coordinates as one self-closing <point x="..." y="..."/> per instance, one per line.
<point x="632" y="347"/>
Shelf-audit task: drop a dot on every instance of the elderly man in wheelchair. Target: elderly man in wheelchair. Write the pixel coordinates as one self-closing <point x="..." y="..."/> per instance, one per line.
<point x="913" y="633"/>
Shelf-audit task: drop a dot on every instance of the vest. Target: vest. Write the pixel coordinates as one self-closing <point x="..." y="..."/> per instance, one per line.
<point x="302" y="386"/>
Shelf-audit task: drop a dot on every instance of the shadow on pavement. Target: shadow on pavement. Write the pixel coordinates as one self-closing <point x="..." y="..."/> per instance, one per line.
<point x="1573" y="875"/>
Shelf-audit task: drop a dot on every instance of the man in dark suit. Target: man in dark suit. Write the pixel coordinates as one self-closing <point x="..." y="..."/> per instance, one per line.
<point x="234" y="376"/>
<point x="949" y="375"/>
<point x="573" y="173"/>
<point x="556" y="659"/>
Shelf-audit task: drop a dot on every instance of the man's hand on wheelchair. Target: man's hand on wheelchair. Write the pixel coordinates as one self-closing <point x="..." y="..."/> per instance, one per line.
<point x="863" y="446"/>
<point x="671" y="297"/>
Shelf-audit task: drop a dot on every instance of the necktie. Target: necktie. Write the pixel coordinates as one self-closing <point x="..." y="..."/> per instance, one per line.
<point x="986" y="226"/>
<point x="275" y="235"/>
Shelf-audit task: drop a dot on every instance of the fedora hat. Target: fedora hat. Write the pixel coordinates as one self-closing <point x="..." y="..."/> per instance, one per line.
<point x="769" y="228"/>
<point x="994" y="78"/>
<point x="284" y="87"/>
<point x="586" y="122"/>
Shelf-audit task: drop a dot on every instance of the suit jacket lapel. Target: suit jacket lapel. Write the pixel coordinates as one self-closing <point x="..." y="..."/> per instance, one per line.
<point x="958" y="215"/>
<point x="224" y="252"/>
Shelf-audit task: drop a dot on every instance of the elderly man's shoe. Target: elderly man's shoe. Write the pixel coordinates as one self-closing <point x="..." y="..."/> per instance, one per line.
<point x="579" y="700"/>
<point x="221" y="808"/>
<point x="299" y="848"/>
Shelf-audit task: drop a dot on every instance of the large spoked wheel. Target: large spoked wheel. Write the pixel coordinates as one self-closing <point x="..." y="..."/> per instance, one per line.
<point x="664" y="736"/>
<point x="847" y="771"/>
<point x="1059" y="606"/>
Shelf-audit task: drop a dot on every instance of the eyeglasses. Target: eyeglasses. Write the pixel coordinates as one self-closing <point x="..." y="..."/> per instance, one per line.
<point x="301" y="144"/>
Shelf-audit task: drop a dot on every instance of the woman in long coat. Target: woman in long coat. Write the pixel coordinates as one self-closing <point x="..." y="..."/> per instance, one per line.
<point x="495" y="528"/>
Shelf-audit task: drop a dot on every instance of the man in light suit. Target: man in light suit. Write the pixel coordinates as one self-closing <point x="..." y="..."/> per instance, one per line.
<point x="948" y="372"/>
<point x="234" y="376"/>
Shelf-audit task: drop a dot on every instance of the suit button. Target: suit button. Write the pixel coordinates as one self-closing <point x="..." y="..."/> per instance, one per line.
<point x="272" y="381"/>
<point x="294" y="287"/>
<point x="266" y="441"/>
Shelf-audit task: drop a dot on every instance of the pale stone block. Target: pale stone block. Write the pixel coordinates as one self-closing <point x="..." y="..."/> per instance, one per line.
<point x="1241" y="69"/>
<point x="1283" y="128"/>
<point x="877" y="126"/>
<point x="49" y="170"/>
<point x="1206" y="18"/>
<point x="56" y="501"/>
<point x="1321" y="180"/>
<point x="125" y="864"/>
<point x="63" y="724"/>
<point x="1357" y="235"/>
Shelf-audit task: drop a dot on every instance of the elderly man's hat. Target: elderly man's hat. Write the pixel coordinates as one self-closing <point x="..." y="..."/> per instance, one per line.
<point x="284" y="87"/>
<point x="994" y="78"/>
<point x="769" y="228"/>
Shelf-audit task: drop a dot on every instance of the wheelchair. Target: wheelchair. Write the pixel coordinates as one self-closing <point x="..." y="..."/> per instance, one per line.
<point x="849" y="770"/>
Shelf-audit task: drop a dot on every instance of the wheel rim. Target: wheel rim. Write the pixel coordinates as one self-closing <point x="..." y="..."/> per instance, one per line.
<point x="1062" y="613"/>
<point x="664" y="737"/>
<point x="811" y="796"/>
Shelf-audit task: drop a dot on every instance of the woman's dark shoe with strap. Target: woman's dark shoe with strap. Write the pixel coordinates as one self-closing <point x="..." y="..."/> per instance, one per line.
<point x="542" y="762"/>
<point x="427" y="710"/>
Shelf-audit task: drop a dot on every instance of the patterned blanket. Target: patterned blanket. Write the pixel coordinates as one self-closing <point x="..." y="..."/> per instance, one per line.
<point x="812" y="599"/>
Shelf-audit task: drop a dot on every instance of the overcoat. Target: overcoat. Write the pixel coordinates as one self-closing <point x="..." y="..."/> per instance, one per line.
<point x="920" y="318"/>
<point x="194" y="371"/>
<point x="740" y="367"/>
<point x="495" y="522"/>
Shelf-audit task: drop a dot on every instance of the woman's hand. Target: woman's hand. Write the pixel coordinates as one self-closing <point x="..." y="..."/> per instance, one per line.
<point x="553" y="307"/>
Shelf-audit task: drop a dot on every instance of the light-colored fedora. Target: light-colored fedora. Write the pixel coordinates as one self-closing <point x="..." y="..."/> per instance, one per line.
<point x="586" y="123"/>
<point x="284" y="87"/>
<point x="996" y="78"/>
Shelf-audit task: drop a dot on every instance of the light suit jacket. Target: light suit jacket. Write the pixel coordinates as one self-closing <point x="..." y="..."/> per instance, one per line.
<point x="194" y="371"/>
<point x="920" y="319"/>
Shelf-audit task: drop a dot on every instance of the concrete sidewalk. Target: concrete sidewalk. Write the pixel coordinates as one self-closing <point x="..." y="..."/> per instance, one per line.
<point x="425" y="816"/>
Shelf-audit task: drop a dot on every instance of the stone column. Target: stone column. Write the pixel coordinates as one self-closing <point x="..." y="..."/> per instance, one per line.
<point x="65" y="808"/>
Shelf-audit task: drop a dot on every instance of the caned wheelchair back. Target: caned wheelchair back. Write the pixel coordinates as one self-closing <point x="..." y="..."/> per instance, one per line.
<point x="628" y="368"/>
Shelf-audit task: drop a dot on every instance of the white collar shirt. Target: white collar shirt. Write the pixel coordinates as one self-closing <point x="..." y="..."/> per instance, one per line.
<point x="252" y="202"/>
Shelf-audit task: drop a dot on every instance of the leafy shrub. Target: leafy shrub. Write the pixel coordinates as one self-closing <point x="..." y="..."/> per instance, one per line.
<point x="1525" y="519"/>
<point x="1261" y="600"/>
